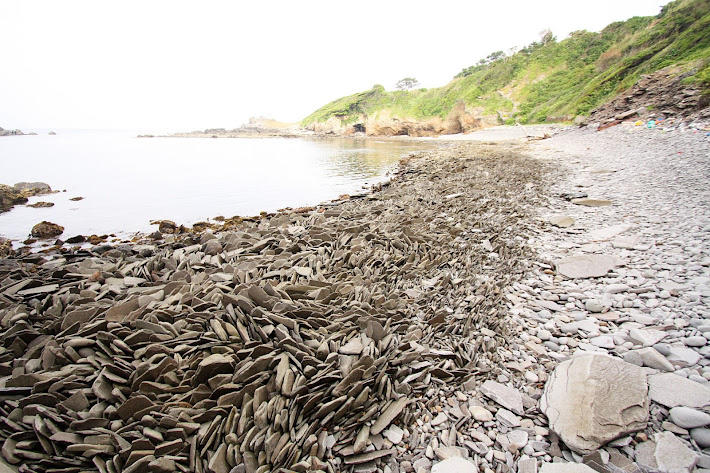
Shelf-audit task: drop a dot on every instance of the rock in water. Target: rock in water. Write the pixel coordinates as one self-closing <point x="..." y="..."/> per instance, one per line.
<point x="47" y="230"/>
<point x="41" y="205"/>
<point x="167" y="226"/>
<point x="585" y="266"/>
<point x="594" y="399"/>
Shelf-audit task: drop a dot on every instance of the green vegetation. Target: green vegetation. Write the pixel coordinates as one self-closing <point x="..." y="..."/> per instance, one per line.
<point x="552" y="80"/>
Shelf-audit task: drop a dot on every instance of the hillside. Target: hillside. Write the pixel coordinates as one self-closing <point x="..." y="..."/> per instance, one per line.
<point x="546" y="81"/>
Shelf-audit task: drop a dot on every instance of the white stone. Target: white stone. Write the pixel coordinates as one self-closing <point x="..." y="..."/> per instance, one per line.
<point x="506" y="396"/>
<point x="683" y="357"/>
<point x="701" y="437"/>
<point x="593" y="399"/>
<point x="394" y="434"/>
<point x="565" y="468"/>
<point x="607" y="233"/>
<point x="454" y="465"/>
<point x="481" y="414"/>
<point x="653" y="359"/>
<point x="616" y="288"/>
<point x="585" y="266"/>
<point x="696" y="341"/>
<point x="689" y="418"/>
<point x="646" y="336"/>
<point x="562" y="221"/>
<point x="593" y="305"/>
<point x="603" y="341"/>
<point x="527" y="465"/>
<point x="628" y="242"/>
<point x="519" y="438"/>
<point x="439" y="419"/>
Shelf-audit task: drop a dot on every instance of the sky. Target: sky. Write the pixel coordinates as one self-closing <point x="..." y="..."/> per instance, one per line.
<point x="180" y="66"/>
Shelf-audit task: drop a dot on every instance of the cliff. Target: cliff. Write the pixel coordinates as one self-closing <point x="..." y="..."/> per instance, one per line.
<point x="546" y="81"/>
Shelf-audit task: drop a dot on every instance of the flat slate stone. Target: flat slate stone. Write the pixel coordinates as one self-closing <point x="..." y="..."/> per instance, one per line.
<point x="368" y="456"/>
<point x="585" y="266"/>
<point x="454" y="465"/>
<point x="390" y="414"/>
<point x="672" y="455"/>
<point x="506" y="396"/>
<point x="591" y="202"/>
<point x="562" y="221"/>
<point x="672" y="390"/>
<point x="591" y="400"/>
<point x="565" y="468"/>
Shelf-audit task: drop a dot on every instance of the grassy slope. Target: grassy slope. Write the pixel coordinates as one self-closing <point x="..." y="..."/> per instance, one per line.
<point x="558" y="80"/>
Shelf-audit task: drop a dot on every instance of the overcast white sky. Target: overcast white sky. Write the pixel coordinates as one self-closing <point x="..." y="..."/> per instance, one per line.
<point x="178" y="65"/>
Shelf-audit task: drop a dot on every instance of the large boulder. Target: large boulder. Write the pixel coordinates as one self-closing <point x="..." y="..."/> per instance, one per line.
<point x="9" y="197"/>
<point x="591" y="400"/>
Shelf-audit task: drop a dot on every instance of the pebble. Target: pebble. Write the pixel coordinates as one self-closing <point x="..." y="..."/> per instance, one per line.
<point x="688" y="418"/>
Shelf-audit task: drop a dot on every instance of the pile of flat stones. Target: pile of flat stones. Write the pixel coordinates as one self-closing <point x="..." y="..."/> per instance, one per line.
<point x="371" y="334"/>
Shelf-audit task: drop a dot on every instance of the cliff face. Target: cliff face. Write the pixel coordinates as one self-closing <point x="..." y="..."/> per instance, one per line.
<point x="460" y="120"/>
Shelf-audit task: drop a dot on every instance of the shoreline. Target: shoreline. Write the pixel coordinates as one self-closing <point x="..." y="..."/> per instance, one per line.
<point x="416" y="324"/>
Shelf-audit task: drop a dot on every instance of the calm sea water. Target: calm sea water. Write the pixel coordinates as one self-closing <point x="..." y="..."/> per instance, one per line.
<point x="126" y="182"/>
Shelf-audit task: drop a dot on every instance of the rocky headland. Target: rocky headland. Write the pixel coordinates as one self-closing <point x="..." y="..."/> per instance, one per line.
<point x="19" y="193"/>
<point x="4" y="132"/>
<point x="520" y="307"/>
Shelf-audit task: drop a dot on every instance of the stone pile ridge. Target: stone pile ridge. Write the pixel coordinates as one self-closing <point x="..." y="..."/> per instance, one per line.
<point x="354" y="337"/>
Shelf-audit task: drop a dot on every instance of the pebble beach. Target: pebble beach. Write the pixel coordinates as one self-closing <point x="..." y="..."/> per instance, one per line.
<point x="499" y="305"/>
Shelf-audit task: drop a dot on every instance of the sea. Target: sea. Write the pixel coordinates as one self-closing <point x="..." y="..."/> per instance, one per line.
<point x="127" y="182"/>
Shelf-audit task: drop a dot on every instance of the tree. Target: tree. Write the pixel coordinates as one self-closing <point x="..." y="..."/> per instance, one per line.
<point x="407" y="83"/>
<point x="494" y="56"/>
<point x="546" y="36"/>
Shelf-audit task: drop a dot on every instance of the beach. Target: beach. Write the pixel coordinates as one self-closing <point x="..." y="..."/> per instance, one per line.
<point x="461" y="313"/>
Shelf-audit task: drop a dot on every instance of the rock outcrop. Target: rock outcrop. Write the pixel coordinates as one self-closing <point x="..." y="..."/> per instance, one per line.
<point x="4" y="132"/>
<point x="461" y="119"/>
<point x="660" y="94"/>
<point x="19" y="193"/>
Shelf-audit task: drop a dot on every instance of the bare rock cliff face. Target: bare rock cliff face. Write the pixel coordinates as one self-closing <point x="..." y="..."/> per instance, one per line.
<point x="662" y="93"/>
<point x="460" y="120"/>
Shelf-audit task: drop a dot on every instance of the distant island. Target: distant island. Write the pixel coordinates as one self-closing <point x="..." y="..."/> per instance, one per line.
<point x="4" y="132"/>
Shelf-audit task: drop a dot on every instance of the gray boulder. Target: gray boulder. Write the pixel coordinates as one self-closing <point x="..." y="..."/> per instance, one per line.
<point x="591" y="400"/>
